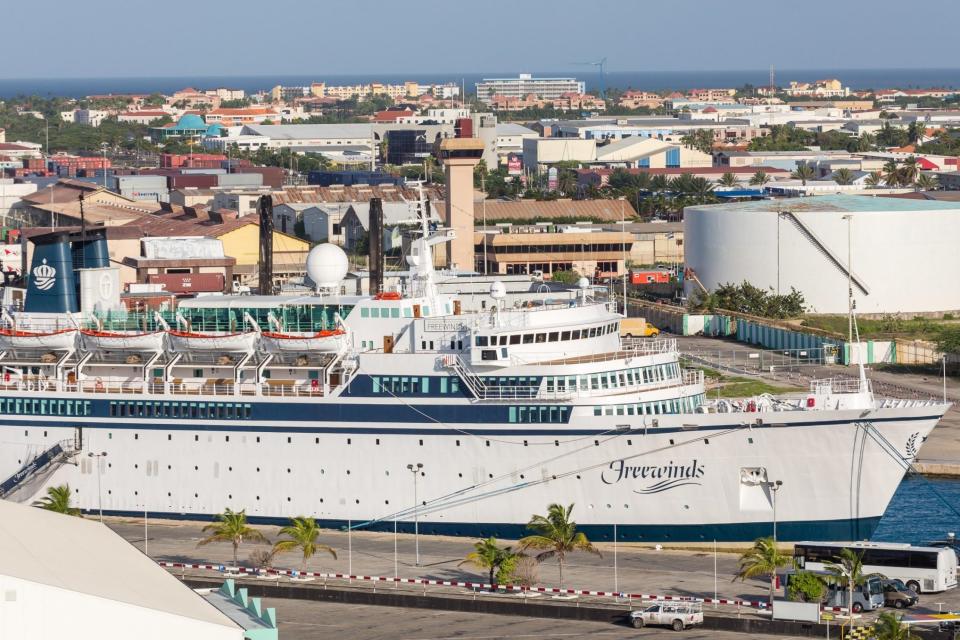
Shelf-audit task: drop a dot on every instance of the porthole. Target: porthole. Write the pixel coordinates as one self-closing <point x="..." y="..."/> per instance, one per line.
<point x="378" y="440"/>
<point x="458" y="443"/>
<point x="169" y="467"/>
<point x="229" y="468"/>
<point x="596" y="443"/>
<point x="556" y="443"/>
<point x="750" y="440"/>
<point x="288" y="470"/>
<point x="169" y="436"/>
<point x="629" y="442"/>
<point x="258" y="498"/>
<point x="196" y="468"/>
<point x="671" y="441"/>
<point x="488" y="443"/>
<point x="358" y="501"/>
<point x="258" y="469"/>
<point x="578" y="476"/>
<point x="169" y="494"/>
<point x="421" y="443"/>
<point x="136" y="493"/>
<point x="316" y="440"/>
<point x="196" y="495"/>
<point x="258" y="438"/>
<point x="135" y="465"/>
<point x="109" y="492"/>
<point x="348" y="471"/>
<point x="521" y="476"/>
<point x="230" y="496"/>
<point x="706" y="441"/>
<point x="321" y="500"/>
<point x="109" y="465"/>
<point x="226" y="438"/>
<point x="289" y="440"/>
<point x="386" y="502"/>
<point x="490" y="475"/>
<point x="525" y="443"/>
<point x="196" y="438"/>
<point x="349" y="441"/>
<point x="288" y="498"/>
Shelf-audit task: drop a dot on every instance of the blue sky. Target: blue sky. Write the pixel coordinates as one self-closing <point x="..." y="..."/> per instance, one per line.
<point x="120" y="38"/>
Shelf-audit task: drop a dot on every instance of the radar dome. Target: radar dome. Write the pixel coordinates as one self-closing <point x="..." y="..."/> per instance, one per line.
<point x="583" y="283"/>
<point x="327" y="265"/>
<point x="497" y="290"/>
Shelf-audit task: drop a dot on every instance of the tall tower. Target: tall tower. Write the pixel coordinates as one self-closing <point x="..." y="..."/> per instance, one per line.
<point x="459" y="157"/>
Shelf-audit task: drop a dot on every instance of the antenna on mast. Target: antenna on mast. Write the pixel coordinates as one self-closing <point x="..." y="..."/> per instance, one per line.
<point x="773" y="82"/>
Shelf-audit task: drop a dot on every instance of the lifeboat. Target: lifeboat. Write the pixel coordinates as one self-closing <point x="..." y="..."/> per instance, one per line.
<point x="122" y="341"/>
<point x="61" y="340"/>
<point x="320" y="342"/>
<point x="191" y="341"/>
<point x="388" y="295"/>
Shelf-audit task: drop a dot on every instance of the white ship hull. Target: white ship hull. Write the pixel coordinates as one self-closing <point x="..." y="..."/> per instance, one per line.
<point x="676" y="481"/>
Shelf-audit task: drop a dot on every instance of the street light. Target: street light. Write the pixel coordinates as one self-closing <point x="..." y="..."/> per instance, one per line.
<point x="774" y="487"/>
<point x="102" y="454"/>
<point x="103" y="148"/>
<point x="415" y="470"/>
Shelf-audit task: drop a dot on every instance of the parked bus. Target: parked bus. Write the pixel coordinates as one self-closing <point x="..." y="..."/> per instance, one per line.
<point x="923" y="569"/>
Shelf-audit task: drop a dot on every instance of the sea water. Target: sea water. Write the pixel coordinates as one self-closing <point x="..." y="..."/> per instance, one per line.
<point x="922" y="510"/>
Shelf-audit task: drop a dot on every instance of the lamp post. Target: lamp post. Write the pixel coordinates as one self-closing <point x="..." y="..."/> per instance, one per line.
<point x="102" y="454"/>
<point x="103" y="148"/>
<point x="415" y="470"/>
<point x="774" y="487"/>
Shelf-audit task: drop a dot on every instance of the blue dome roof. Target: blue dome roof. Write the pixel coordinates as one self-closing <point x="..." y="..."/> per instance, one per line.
<point x="191" y="121"/>
<point x="214" y="130"/>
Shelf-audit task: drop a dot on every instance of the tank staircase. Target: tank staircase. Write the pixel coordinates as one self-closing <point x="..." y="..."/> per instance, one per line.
<point x="831" y="257"/>
<point x="23" y="484"/>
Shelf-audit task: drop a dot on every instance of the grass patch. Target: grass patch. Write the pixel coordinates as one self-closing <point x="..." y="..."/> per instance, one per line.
<point x="886" y="327"/>
<point x="745" y="388"/>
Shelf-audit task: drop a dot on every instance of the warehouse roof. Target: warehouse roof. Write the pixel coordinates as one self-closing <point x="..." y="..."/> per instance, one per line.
<point x="514" y="129"/>
<point x="838" y="203"/>
<point x="527" y="210"/>
<point x="97" y="562"/>
<point x="309" y="131"/>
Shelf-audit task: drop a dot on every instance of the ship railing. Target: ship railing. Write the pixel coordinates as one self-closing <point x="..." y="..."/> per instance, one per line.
<point x="273" y="388"/>
<point x="692" y="377"/>
<point x="827" y="386"/>
<point x="638" y="349"/>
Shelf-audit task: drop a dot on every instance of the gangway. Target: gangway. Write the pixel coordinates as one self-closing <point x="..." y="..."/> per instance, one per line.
<point x="41" y="465"/>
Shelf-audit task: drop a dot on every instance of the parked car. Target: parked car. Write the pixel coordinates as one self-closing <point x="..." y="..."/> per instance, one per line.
<point x="898" y="595"/>
<point x="676" y="615"/>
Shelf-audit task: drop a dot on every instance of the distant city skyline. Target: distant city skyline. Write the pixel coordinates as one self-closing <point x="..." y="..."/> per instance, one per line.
<point x="111" y="38"/>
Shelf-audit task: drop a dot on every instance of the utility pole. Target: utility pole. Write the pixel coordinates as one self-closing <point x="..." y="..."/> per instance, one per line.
<point x="415" y="469"/>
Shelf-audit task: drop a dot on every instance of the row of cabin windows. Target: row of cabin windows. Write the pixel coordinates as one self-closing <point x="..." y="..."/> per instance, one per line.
<point x="687" y="404"/>
<point x="548" y="336"/>
<point x="385" y="312"/>
<point x="400" y="385"/>
<point x="210" y="410"/>
<point x="511" y="381"/>
<point x="539" y="414"/>
<point x="615" y="379"/>
<point x="34" y="407"/>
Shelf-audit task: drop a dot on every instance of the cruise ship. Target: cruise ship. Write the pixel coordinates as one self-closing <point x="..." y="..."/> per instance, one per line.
<point x="404" y="407"/>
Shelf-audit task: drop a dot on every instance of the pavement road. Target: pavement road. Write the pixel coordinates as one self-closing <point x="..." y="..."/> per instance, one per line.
<point x="305" y="620"/>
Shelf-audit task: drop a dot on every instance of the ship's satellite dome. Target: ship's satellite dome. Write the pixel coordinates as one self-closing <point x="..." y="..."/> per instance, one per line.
<point x="327" y="265"/>
<point x="583" y="283"/>
<point x="497" y="290"/>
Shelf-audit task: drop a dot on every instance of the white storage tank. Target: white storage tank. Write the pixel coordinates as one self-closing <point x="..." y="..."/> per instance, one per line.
<point x="904" y="251"/>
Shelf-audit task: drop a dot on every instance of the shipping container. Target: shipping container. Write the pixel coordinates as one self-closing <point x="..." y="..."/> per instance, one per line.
<point x="189" y="282"/>
<point x="200" y="181"/>
<point x="240" y="180"/>
<point x="272" y="176"/>
<point x="653" y="276"/>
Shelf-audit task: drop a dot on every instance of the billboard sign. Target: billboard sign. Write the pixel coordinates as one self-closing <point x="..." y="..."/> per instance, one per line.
<point x="552" y="181"/>
<point x="514" y="165"/>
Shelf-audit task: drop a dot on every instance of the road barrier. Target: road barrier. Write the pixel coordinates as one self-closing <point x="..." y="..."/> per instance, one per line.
<point x="425" y="582"/>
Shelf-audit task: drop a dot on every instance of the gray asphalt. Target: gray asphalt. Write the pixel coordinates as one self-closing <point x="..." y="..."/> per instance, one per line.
<point x="302" y="620"/>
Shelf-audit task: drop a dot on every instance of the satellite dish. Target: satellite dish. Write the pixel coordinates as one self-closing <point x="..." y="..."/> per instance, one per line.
<point x="497" y="290"/>
<point x="327" y="266"/>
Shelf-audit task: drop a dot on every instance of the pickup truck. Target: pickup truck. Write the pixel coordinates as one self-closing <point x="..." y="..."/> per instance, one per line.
<point x="677" y="615"/>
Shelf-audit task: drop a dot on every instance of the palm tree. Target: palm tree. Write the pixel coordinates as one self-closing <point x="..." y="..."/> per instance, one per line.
<point x="763" y="559"/>
<point x="701" y="189"/>
<point x="875" y="179"/>
<point x="759" y="179"/>
<point x="728" y="180"/>
<point x="567" y="182"/>
<point x="659" y="183"/>
<point x="58" y="500"/>
<point x="909" y="171"/>
<point x="803" y="172"/>
<point x="866" y="142"/>
<point x="916" y="131"/>
<point x="843" y="176"/>
<point x="847" y="571"/>
<point x="926" y="182"/>
<point x="303" y="533"/>
<point x="889" y="627"/>
<point x="556" y="535"/>
<point x="489" y="555"/>
<point x="231" y="526"/>
<point x="891" y="173"/>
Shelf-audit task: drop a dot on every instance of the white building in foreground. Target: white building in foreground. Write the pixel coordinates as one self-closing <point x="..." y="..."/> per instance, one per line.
<point x="68" y="577"/>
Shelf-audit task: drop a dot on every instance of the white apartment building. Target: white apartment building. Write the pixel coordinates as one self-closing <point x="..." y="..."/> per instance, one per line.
<point x="525" y="84"/>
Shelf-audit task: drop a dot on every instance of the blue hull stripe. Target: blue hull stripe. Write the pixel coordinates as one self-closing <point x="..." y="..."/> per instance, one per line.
<point x="847" y="529"/>
<point x="146" y="424"/>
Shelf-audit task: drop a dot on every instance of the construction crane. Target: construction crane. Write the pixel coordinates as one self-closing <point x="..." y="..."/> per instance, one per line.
<point x="600" y="64"/>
